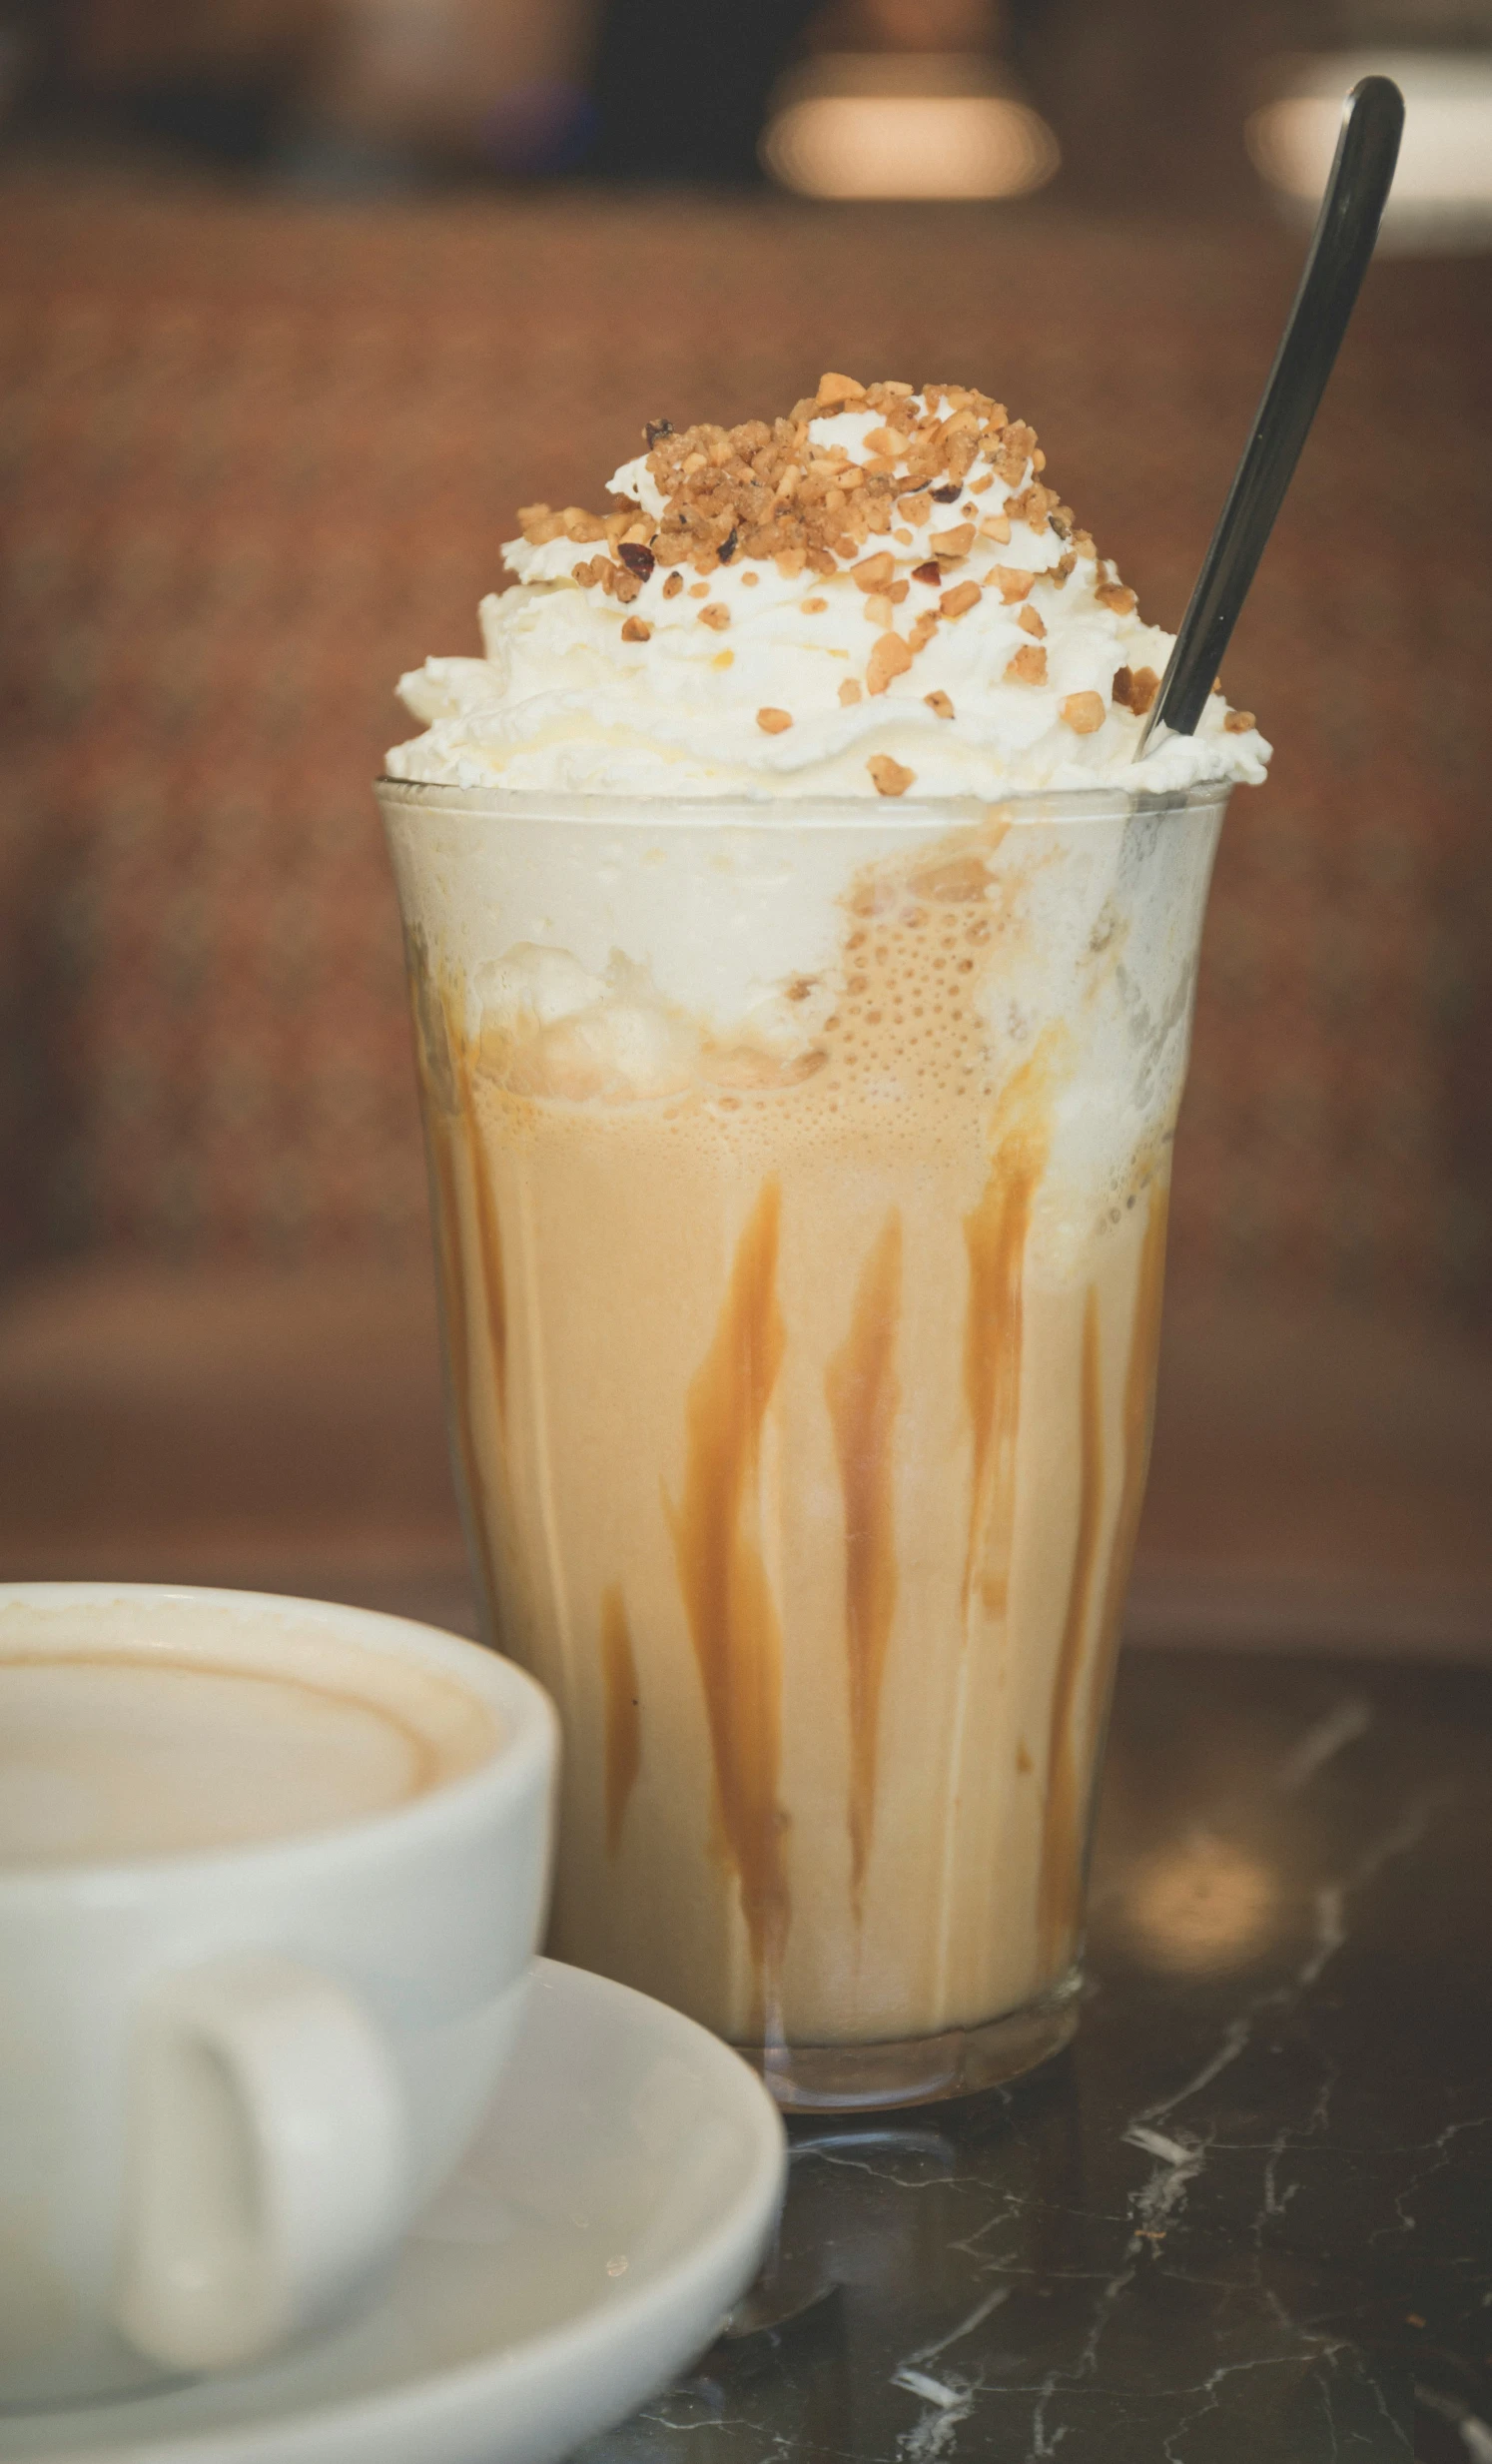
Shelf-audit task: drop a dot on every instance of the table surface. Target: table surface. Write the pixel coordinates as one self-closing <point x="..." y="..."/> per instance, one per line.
<point x="1247" y="2219"/>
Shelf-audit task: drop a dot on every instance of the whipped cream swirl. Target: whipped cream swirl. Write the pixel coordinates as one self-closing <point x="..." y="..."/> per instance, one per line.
<point x="972" y="644"/>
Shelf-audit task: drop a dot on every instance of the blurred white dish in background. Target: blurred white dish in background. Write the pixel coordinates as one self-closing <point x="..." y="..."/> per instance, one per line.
<point x="615" y="2203"/>
<point x="1442" y="191"/>
<point x="907" y="125"/>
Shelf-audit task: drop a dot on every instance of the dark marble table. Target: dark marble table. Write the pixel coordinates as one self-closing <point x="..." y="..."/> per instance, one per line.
<point x="1247" y="2219"/>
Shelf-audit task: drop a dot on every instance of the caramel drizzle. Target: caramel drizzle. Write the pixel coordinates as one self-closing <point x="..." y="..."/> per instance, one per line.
<point x="716" y="1531"/>
<point x="459" y="1346"/>
<point x="621" y="1684"/>
<point x="864" y="1394"/>
<point x="1137" y="1419"/>
<point x="489" y="1230"/>
<point x="1061" y="1824"/>
<point x="450" y="1089"/>
<point x="995" y="1234"/>
<point x="1070" y="1777"/>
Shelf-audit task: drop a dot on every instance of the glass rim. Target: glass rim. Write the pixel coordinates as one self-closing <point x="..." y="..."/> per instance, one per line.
<point x="1028" y="808"/>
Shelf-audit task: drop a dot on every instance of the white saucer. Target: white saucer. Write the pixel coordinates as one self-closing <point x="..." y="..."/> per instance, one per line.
<point x="616" y="2203"/>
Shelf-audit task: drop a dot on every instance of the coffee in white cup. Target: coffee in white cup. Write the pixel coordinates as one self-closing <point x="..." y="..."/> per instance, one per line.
<point x="272" y="1874"/>
<point x="109" y="1755"/>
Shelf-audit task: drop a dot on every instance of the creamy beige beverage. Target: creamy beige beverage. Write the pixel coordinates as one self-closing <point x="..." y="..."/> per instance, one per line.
<point x="111" y="1754"/>
<point x="801" y="1175"/>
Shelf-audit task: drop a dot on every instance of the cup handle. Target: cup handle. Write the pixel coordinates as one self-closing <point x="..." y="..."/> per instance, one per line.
<point x="268" y="2162"/>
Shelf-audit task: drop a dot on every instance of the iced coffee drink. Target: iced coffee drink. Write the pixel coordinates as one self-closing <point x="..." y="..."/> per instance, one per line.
<point x="803" y="975"/>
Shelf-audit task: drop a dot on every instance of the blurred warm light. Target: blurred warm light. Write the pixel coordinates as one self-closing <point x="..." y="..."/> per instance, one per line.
<point x="906" y="128"/>
<point x="911" y="145"/>
<point x="1203" y="1905"/>
<point x="1442" y="191"/>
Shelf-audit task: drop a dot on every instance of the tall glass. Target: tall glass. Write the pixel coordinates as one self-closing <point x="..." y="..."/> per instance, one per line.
<point x="800" y="1179"/>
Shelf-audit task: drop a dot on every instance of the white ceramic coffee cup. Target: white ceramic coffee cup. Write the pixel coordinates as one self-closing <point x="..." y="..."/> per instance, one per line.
<point x="229" y="2076"/>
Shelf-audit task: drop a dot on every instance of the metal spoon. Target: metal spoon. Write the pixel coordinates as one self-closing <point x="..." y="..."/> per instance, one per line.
<point x="1346" y="229"/>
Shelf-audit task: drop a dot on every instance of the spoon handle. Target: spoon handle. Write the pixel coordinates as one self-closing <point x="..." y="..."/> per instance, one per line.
<point x="1346" y="232"/>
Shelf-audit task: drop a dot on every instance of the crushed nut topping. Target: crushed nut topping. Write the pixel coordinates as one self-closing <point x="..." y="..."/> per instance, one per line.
<point x="1029" y="666"/>
<point x="772" y="723"/>
<point x="939" y="704"/>
<point x="1239" y="722"/>
<point x="888" y="658"/>
<point x="770" y="492"/>
<point x="1117" y="596"/>
<point x="890" y="777"/>
<point x="762" y="489"/>
<point x="1136" y="689"/>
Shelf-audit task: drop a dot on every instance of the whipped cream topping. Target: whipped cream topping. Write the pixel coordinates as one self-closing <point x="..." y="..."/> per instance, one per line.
<point x="954" y="639"/>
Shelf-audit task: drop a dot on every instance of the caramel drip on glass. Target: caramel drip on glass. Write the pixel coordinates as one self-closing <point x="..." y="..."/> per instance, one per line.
<point x="1058" y="1882"/>
<point x="1139" y="1413"/>
<point x="489" y="1234"/>
<point x="450" y="1112"/>
<point x="716" y="1529"/>
<point x="996" y="1236"/>
<point x="447" y="1229"/>
<point x="619" y="1679"/>
<point x="864" y="1394"/>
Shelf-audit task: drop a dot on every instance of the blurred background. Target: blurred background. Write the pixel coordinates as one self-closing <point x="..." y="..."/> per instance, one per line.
<point x="300" y="297"/>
